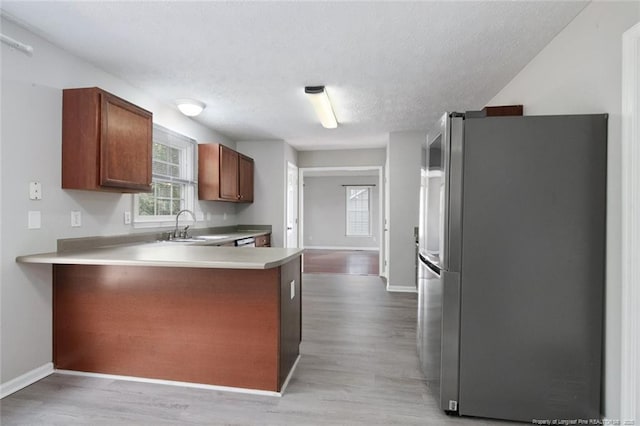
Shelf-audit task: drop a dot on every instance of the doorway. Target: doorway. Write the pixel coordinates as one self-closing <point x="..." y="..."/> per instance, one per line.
<point x="291" y="231"/>
<point x="341" y="215"/>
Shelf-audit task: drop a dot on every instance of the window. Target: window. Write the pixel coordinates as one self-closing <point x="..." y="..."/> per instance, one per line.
<point x="173" y="186"/>
<point x="358" y="211"/>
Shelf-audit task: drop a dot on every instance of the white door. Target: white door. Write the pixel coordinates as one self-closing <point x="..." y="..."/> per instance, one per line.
<point x="292" y="206"/>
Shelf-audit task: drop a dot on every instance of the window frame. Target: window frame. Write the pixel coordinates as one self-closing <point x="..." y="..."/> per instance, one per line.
<point x="188" y="177"/>
<point x="370" y="213"/>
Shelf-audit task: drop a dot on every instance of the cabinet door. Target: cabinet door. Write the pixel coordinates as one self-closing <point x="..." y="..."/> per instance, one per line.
<point x="245" y="178"/>
<point x="263" y="241"/>
<point x="208" y="171"/>
<point x="228" y="174"/>
<point x="125" y="145"/>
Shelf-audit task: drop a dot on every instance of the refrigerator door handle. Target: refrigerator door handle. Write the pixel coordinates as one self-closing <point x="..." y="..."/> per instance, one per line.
<point x="432" y="266"/>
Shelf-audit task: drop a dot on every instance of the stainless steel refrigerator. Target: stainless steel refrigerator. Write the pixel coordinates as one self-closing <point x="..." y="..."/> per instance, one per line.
<point x="512" y="255"/>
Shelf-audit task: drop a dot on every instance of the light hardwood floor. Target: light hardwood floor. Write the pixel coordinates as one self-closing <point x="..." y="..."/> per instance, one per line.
<point x="358" y="367"/>
<point x="352" y="262"/>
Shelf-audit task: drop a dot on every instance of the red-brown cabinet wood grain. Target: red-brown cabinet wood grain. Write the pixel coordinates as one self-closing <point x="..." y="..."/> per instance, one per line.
<point x="226" y="327"/>
<point x="224" y="174"/>
<point x="263" y="240"/>
<point x="245" y="178"/>
<point x="106" y="142"/>
<point x="228" y="174"/>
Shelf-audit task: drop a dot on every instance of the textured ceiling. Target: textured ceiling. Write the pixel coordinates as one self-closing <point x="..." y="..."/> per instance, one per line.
<point x="388" y="66"/>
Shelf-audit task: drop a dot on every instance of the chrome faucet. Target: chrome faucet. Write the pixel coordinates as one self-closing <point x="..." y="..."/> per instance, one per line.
<point x="183" y="234"/>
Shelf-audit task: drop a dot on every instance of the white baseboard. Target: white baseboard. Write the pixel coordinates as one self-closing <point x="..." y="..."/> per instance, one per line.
<point x="341" y="248"/>
<point x="26" y="379"/>
<point x="182" y="384"/>
<point x="401" y="289"/>
<point x="286" y="381"/>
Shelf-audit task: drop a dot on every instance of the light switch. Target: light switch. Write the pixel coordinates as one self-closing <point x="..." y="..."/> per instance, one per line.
<point x="76" y="218"/>
<point x="33" y="220"/>
<point x="293" y="288"/>
<point x="35" y="191"/>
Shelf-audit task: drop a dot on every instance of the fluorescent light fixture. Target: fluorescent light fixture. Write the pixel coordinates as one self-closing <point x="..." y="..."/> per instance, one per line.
<point x="190" y="107"/>
<point x="320" y="101"/>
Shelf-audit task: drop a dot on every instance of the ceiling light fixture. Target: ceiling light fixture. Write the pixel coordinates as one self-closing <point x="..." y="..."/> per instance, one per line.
<point x="190" y="107"/>
<point x="320" y="101"/>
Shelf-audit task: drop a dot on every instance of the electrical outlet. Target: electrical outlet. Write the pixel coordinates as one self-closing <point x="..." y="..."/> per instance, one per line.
<point x="224" y="216"/>
<point x="76" y="218"/>
<point x="33" y="220"/>
<point x="35" y="191"/>
<point x="127" y="218"/>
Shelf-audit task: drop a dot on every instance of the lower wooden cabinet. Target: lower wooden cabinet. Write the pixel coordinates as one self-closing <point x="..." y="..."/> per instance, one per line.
<point x="263" y="241"/>
<point x="226" y="327"/>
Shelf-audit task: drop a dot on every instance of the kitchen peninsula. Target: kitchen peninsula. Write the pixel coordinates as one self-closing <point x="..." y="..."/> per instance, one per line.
<point x="219" y="316"/>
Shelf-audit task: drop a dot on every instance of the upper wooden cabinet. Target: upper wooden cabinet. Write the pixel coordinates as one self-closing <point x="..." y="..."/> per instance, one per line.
<point x="106" y="142"/>
<point x="245" y="178"/>
<point x="228" y="174"/>
<point x="224" y="174"/>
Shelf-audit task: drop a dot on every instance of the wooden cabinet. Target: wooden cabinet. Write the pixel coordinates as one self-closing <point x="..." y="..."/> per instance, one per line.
<point x="263" y="241"/>
<point x="223" y="327"/>
<point x="106" y="142"/>
<point x="228" y="174"/>
<point x="224" y="174"/>
<point x="245" y="178"/>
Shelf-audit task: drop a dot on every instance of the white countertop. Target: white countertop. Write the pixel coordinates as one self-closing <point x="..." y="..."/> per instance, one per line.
<point x="172" y="254"/>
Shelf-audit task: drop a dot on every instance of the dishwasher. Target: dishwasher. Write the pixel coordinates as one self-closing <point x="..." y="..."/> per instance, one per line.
<point x="246" y="242"/>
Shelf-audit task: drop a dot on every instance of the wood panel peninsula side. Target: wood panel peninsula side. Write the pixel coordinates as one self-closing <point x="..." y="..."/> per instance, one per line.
<point x="233" y="321"/>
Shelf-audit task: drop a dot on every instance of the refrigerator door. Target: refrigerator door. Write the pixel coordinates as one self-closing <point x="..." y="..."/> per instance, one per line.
<point x="429" y="332"/>
<point x="439" y="292"/>
<point x="450" y="276"/>
<point x="533" y="267"/>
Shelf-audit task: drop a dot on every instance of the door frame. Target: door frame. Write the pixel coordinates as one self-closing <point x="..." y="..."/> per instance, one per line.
<point x="385" y="222"/>
<point x="630" y="350"/>
<point x="381" y="215"/>
<point x="286" y="207"/>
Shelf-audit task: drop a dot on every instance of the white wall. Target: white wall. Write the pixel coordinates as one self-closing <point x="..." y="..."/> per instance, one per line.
<point x="31" y="102"/>
<point x="580" y="72"/>
<point x="342" y="158"/>
<point x="404" y="153"/>
<point x="325" y="215"/>
<point x="270" y="186"/>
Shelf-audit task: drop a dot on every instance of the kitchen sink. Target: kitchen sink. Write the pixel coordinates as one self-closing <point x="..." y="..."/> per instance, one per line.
<point x="199" y="239"/>
<point x="187" y="240"/>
